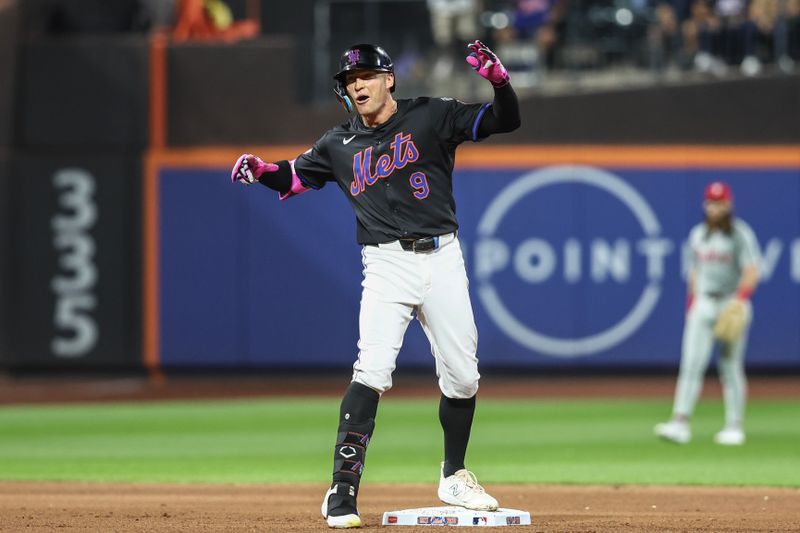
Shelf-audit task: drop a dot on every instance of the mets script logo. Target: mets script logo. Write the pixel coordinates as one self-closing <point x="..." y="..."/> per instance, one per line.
<point x="403" y="152"/>
<point x="569" y="260"/>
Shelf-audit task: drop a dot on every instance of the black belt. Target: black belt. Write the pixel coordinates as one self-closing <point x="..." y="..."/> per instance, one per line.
<point x="425" y="244"/>
<point x="716" y="295"/>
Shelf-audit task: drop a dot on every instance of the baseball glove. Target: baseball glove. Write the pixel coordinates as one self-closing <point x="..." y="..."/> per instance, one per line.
<point x="731" y="321"/>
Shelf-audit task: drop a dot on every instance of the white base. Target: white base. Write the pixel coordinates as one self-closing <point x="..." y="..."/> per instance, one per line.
<point x="456" y="516"/>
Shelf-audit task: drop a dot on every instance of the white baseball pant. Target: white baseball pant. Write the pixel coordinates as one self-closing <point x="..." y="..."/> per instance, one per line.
<point x="434" y="285"/>
<point x="698" y="344"/>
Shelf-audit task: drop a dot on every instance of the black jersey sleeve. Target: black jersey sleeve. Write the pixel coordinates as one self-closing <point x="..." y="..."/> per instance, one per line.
<point x="314" y="167"/>
<point x="456" y="121"/>
<point x="503" y="115"/>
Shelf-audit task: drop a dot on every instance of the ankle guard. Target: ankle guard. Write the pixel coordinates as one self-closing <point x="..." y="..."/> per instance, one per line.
<point x="350" y="451"/>
<point x="341" y="500"/>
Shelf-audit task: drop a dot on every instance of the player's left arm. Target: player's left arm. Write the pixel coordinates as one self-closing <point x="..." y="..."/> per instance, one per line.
<point x="503" y="114"/>
<point x="748" y="259"/>
<point x="734" y="317"/>
<point x="748" y="281"/>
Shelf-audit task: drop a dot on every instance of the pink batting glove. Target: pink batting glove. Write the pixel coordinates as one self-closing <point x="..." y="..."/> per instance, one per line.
<point x="487" y="65"/>
<point x="249" y="168"/>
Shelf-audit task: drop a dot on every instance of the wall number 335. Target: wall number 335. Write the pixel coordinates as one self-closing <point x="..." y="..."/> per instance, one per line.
<point x="73" y="284"/>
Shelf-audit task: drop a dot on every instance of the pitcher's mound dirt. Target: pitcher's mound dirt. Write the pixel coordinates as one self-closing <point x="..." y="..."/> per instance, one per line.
<point x="295" y="508"/>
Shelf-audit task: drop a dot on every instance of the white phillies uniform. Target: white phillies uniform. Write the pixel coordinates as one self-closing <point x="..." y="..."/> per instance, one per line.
<point x="717" y="260"/>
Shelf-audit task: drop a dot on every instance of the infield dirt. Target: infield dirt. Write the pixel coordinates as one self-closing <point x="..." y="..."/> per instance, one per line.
<point x="295" y="508"/>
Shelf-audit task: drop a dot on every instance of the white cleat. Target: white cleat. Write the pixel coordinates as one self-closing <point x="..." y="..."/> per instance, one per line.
<point x="344" y="522"/>
<point x="462" y="489"/>
<point x="346" y="500"/>
<point x="730" y="437"/>
<point x="673" y="431"/>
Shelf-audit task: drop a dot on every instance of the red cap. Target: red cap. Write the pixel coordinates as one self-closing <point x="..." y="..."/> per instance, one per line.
<point x="717" y="191"/>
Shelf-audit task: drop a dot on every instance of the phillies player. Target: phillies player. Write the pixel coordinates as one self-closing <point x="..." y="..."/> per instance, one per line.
<point x="723" y="269"/>
<point x="393" y="159"/>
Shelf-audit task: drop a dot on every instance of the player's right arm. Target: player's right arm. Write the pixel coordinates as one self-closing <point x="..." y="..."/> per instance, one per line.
<point x="691" y="283"/>
<point x="310" y="170"/>
<point x="691" y="272"/>
<point x="250" y="169"/>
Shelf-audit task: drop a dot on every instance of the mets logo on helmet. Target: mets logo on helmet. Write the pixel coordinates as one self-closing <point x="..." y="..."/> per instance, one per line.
<point x="353" y="56"/>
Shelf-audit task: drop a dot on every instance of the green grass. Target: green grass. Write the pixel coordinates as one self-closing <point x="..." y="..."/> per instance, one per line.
<point x="290" y="440"/>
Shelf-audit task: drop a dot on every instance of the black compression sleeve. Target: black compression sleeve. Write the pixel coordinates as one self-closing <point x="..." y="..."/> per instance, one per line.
<point x="504" y="116"/>
<point x="280" y="180"/>
<point x="456" y="419"/>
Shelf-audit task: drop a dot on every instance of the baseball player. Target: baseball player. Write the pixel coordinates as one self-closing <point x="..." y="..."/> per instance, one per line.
<point x="723" y="273"/>
<point x="393" y="159"/>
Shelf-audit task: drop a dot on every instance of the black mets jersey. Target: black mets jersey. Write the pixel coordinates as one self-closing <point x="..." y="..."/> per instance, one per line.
<point x="398" y="176"/>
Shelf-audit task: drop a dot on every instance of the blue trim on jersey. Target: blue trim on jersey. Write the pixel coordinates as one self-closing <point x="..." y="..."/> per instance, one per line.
<point x="305" y="182"/>
<point x="477" y="122"/>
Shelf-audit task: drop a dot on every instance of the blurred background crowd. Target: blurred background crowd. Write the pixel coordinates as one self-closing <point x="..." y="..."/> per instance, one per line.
<point x="550" y="46"/>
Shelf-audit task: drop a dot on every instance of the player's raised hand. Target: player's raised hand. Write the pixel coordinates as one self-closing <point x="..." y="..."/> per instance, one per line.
<point x="249" y="168"/>
<point x="486" y="63"/>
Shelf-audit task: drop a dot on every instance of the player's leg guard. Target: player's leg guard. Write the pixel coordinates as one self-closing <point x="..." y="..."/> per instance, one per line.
<point x="356" y="423"/>
<point x="350" y="451"/>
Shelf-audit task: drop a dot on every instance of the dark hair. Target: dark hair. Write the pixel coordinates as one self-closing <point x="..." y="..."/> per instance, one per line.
<point x="725" y="224"/>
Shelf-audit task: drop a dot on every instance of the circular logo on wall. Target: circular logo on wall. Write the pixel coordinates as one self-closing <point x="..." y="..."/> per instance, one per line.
<point x="534" y="259"/>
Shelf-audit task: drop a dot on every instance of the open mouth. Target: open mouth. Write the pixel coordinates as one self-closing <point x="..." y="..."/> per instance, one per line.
<point x="362" y="99"/>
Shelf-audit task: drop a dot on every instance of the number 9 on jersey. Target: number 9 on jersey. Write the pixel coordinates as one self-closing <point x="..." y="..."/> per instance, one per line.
<point x="419" y="182"/>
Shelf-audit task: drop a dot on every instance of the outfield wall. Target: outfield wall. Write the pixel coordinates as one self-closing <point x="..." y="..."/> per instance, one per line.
<point x="75" y="290"/>
<point x="575" y="256"/>
<point x="123" y="245"/>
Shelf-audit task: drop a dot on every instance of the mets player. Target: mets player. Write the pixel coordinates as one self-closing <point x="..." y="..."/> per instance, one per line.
<point x="393" y="159"/>
<point x="723" y="274"/>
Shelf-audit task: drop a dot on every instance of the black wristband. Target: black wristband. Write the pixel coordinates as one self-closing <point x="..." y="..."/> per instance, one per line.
<point x="280" y="180"/>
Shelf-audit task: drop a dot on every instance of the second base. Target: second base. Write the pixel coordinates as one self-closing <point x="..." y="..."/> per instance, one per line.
<point x="456" y="516"/>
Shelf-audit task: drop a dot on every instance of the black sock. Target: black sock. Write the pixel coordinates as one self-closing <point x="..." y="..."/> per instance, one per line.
<point x="455" y="415"/>
<point x="356" y="423"/>
<point x="359" y="404"/>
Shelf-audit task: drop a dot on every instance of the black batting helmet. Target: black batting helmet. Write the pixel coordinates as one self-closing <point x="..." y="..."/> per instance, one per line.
<point x="360" y="57"/>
